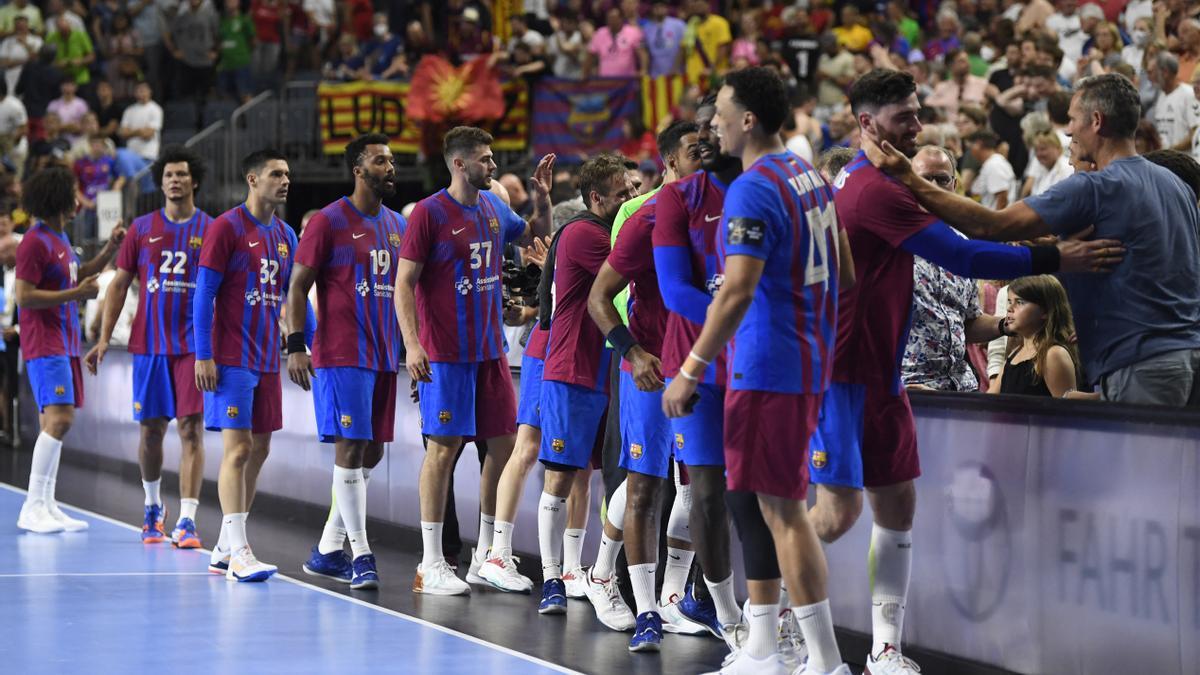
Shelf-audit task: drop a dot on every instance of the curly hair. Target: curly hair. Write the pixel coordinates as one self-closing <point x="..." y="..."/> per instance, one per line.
<point x="173" y="154"/>
<point x="49" y="193"/>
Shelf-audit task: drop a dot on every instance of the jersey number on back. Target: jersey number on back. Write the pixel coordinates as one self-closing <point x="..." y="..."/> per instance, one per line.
<point x="821" y="221"/>
<point x="173" y="262"/>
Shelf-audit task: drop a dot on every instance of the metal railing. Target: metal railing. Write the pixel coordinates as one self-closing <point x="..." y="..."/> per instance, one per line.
<point x="212" y="145"/>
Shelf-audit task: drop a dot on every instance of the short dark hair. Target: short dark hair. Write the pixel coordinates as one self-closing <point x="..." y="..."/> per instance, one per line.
<point x="880" y="87"/>
<point x="1181" y="164"/>
<point x="1040" y="70"/>
<point x="1057" y="106"/>
<point x="708" y="101"/>
<point x="356" y="148"/>
<point x="1114" y="97"/>
<point x="255" y="161"/>
<point x="597" y="171"/>
<point x="987" y="137"/>
<point x="460" y="140"/>
<point x="761" y="91"/>
<point x="49" y="193"/>
<point x="976" y="115"/>
<point x="671" y="138"/>
<point x="832" y="160"/>
<point x="178" y="153"/>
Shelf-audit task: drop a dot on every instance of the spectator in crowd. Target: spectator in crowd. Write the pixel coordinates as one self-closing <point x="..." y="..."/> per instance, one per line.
<point x="1066" y="26"/>
<point x="799" y="47"/>
<point x="566" y="48"/>
<point x="81" y="143"/>
<point x="829" y="164"/>
<point x="521" y="32"/>
<point x="416" y="45"/>
<point x="141" y="125"/>
<point x="968" y="120"/>
<point x="1188" y="49"/>
<point x="233" y="66"/>
<point x="1175" y="113"/>
<point x="108" y="109"/>
<point x="14" y="128"/>
<point x="148" y="19"/>
<point x="1104" y="53"/>
<point x="853" y="33"/>
<point x="101" y="17"/>
<point x="948" y="36"/>
<point x="322" y="16"/>
<point x="57" y="8"/>
<point x="122" y="50"/>
<point x="298" y="37"/>
<point x="1042" y="359"/>
<point x="95" y="172"/>
<point x="996" y="182"/>
<point x="973" y="46"/>
<point x="468" y="30"/>
<point x="20" y="9"/>
<point x="617" y="49"/>
<point x="70" y="109"/>
<point x="707" y="43"/>
<point x="19" y="48"/>
<point x="383" y="54"/>
<point x="73" y="49"/>
<point x="664" y="40"/>
<point x="1134" y="52"/>
<point x="348" y="64"/>
<point x="267" y="16"/>
<point x="946" y="313"/>
<point x="1048" y="150"/>
<point x="37" y="86"/>
<point x="745" y="48"/>
<point x="960" y="88"/>
<point x="525" y="64"/>
<point x="194" y="39"/>
<point x="518" y="196"/>
<point x="52" y="148"/>
<point x="359" y="19"/>
<point x="836" y="69"/>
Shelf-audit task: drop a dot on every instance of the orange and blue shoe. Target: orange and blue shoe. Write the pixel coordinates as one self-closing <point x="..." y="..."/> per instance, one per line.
<point x="184" y="535"/>
<point x="152" y="527"/>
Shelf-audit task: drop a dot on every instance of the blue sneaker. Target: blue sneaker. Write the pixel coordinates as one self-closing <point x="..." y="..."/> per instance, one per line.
<point x="336" y="565"/>
<point x="184" y="535"/>
<point x="554" y="597"/>
<point x="647" y="637"/>
<point x="152" y="525"/>
<point x="703" y="613"/>
<point x="365" y="577"/>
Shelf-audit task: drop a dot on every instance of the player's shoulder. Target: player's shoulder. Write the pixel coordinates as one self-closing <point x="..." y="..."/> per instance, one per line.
<point x="143" y="223"/>
<point x="33" y="241"/>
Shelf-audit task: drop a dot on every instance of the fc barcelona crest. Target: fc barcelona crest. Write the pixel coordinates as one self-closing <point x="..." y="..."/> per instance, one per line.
<point x="444" y="417"/>
<point x="194" y="242"/>
<point x="558" y="445"/>
<point x="346" y="421"/>
<point x="394" y="239"/>
<point x="678" y="441"/>
<point x="231" y="411"/>
<point x="60" y="390"/>
<point x="819" y="459"/>
<point x="137" y="407"/>
<point x="635" y="450"/>
<point x="283" y="250"/>
<point x="494" y="224"/>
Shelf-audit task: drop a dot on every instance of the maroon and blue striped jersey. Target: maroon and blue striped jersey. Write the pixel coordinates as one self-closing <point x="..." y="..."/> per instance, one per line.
<point x="46" y="260"/>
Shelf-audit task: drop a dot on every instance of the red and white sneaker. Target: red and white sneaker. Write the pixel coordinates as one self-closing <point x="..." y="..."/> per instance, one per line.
<point x="890" y="662"/>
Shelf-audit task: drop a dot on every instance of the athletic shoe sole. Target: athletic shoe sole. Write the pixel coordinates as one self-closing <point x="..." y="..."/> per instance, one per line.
<point x="552" y="609"/>
<point x="257" y="576"/>
<point x="310" y="571"/>
<point x="646" y="647"/>
<point x="218" y="568"/>
<point x="368" y="585"/>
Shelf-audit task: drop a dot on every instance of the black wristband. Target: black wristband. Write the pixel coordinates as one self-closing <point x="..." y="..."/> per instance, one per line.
<point x="295" y="343"/>
<point x="621" y="339"/>
<point x="1044" y="259"/>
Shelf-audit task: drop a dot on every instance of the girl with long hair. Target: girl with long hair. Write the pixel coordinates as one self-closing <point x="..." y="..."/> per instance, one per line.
<point x="1041" y="358"/>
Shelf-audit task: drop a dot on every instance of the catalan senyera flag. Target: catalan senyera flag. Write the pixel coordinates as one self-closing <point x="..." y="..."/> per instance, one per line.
<point x="660" y="95"/>
<point x="349" y="109"/>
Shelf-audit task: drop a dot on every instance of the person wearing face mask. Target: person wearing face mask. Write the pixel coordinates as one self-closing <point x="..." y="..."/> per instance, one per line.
<point x="384" y="56"/>
<point x="1134" y="53"/>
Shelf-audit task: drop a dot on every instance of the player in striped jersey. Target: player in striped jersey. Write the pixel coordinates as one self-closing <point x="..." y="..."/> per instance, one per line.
<point x="450" y="307"/>
<point x="349" y="249"/>
<point x="48" y="291"/>
<point x="784" y="259"/>
<point x="162" y="251"/>
<point x="245" y="265"/>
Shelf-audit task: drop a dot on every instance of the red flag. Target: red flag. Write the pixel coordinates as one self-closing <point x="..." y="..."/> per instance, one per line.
<point x="441" y="92"/>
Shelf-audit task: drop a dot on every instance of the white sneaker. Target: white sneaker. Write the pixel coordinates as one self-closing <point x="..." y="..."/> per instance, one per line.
<point x="735" y="636"/>
<point x="243" y="566"/>
<point x="439" y="579"/>
<point x="840" y="670"/>
<point x="35" y="517"/>
<point x="501" y="572"/>
<point x="744" y="664"/>
<point x="793" y="650"/>
<point x="890" y="662"/>
<point x="473" y="570"/>
<point x="576" y="582"/>
<point x="673" y="620"/>
<point x="610" y="606"/>
<point x="69" y="524"/>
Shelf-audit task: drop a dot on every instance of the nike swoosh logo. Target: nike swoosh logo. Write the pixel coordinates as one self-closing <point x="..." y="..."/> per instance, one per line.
<point x="760" y="614"/>
<point x="154" y="239"/>
<point x="60" y="255"/>
<point x="254" y="243"/>
<point x="458" y="231"/>
<point x="673" y="557"/>
<point x="360" y="235"/>
<point x="708" y="219"/>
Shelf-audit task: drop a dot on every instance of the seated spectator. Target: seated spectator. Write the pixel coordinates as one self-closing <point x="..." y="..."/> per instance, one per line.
<point x="853" y="33"/>
<point x="948" y="29"/>
<point x="664" y="40"/>
<point x="1175" y="113"/>
<point x="1041" y="359"/>
<point x="123" y="51"/>
<point x="996" y="184"/>
<point x="745" y="48"/>
<point x="968" y="120"/>
<point x="960" y="87"/>
<point x="348" y="65"/>
<point x="37" y="86"/>
<point x="141" y="125"/>
<point x="383" y="55"/>
<point x="616" y="50"/>
<point x="52" y="148"/>
<point x="69" y="108"/>
<point x="108" y="109"/>
<point x="566" y="48"/>
<point x="416" y="45"/>
<point x="1134" y="52"/>
<point x="74" y="52"/>
<point x="233" y="65"/>
<point x="17" y="49"/>
<point x="14" y="128"/>
<point x="17" y="10"/>
<point x="1048" y="150"/>
<point x="95" y="172"/>
<point x="81" y="145"/>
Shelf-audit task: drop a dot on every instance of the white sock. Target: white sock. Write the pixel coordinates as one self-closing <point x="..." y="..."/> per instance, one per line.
<point x="675" y="576"/>
<point x="222" y="548"/>
<point x="722" y="595"/>
<point x="890" y="562"/>
<point x="153" y="492"/>
<point x="606" y="557"/>
<point x="50" y="490"/>
<point x="431" y="538"/>
<point x="501" y="538"/>
<point x="816" y="625"/>
<point x="552" y="521"/>
<point x="235" y="529"/>
<point x="680" y="519"/>
<point x="642" y="579"/>
<point x="46" y="450"/>
<point x="573" y="548"/>
<point x="187" y="508"/>
<point x="333" y="535"/>
<point x="615" y="513"/>
<point x="350" y="491"/>
<point x="764" y="631"/>
<point x="487" y="525"/>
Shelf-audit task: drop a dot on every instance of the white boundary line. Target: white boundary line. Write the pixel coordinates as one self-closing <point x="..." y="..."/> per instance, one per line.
<point x="304" y="584"/>
<point x="106" y="574"/>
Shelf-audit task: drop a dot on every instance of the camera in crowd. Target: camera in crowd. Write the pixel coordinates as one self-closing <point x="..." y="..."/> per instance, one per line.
<point x="520" y="283"/>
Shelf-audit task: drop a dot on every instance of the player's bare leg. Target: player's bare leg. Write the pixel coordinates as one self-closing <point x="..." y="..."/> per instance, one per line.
<point x="890" y="565"/>
<point x="40" y="512"/>
<point x="244" y="456"/>
<point x="500" y="569"/>
<point x="498" y="457"/>
<point x="434" y="575"/>
<point x="836" y="510"/>
<point x="578" y="509"/>
<point x="552" y="524"/>
<point x="150" y="461"/>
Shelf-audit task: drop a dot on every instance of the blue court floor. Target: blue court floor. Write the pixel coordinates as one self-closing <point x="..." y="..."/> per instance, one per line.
<point x="101" y="602"/>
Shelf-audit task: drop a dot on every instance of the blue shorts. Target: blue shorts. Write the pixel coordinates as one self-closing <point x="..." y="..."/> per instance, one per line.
<point x="472" y="400"/>
<point x="700" y="437"/>
<point x="354" y="403"/>
<point x="572" y="424"/>
<point x="529" y="411"/>
<point x="244" y="399"/>
<point x="165" y="386"/>
<point x="835" y="456"/>
<point x="56" y="380"/>
<point x="646" y="440"/>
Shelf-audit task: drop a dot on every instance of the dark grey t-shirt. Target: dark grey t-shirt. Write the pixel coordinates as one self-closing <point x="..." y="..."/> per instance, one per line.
<point x="196" y="33"/>
<point x="1150" y="304"/>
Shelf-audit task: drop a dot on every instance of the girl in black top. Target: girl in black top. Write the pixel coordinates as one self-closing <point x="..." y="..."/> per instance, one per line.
<point x="1041" y="361"/>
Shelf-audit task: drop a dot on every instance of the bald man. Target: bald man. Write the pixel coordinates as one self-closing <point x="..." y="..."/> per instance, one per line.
<point x="518" y="197"/>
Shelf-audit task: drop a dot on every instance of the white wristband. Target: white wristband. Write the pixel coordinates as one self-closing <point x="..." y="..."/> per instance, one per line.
<point x="695" y="356"/>
<point x="687" y="376"/>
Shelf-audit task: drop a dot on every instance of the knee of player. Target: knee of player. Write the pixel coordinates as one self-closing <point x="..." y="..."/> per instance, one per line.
<point x="834" y="516"/>
<point x="708" y="504"/>
<point x="191" y="433"/>
<point x="58" y="425"/>
<point x="559" y="483"/>
<point x="153" y="432"/>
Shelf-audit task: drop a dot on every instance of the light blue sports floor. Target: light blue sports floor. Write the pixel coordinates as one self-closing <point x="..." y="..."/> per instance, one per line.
<point x="100" y="601"/>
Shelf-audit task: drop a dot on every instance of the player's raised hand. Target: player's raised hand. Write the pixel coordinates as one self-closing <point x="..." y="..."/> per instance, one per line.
<point x="536" y="253"/>
<point x="543" y="176"/>
<point x="88" y="288"/>
<point x="95" y="357"/>
<point x="885" y="157"/>
<point x="118" y="234"/>
<point x="300" y="369"/>
<point x="1076" y="254"/>
<point x="418" y="365"/>
<point x="206" y="375"/>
